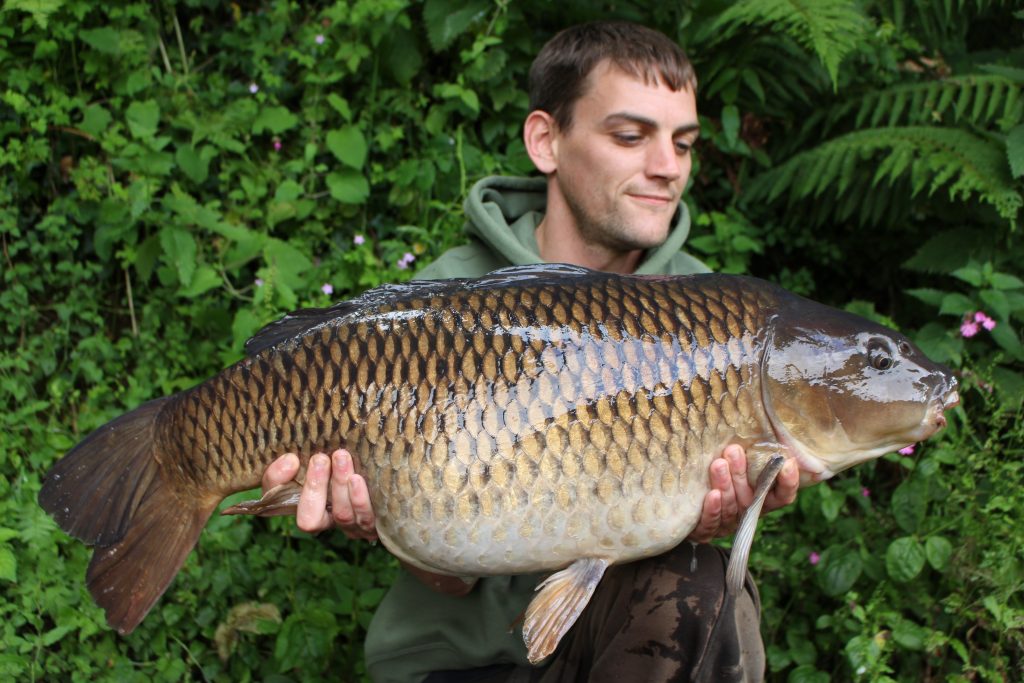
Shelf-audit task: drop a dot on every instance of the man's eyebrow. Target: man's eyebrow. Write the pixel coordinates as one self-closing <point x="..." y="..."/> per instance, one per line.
<point x="625" y="116"/>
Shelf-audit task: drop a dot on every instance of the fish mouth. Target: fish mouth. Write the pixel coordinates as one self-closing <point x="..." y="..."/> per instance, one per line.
<point x="945" y="399"/>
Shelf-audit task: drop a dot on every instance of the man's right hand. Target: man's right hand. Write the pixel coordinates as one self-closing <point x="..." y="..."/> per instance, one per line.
<point x="350" y="508"/>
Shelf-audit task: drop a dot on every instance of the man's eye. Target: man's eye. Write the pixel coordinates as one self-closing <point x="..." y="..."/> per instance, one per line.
<point x="627" y="138"/>
<point x="683" y="147"/>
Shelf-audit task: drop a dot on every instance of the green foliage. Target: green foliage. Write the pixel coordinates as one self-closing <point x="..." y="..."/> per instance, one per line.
<point x="173" y="176"/>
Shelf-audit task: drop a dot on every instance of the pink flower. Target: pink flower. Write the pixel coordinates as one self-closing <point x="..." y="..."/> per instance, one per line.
<point x="328" y="288"/>
<point x="358" y="239"/>
<point x="402" y="265"/>
<point x="814" y="558"/>
<point x="866" y="492"/>
<point x="968" y="328"/>
<point x="319" y="39"/>
<point x="258" y="282"/>
<point x="277" y="144"/>
<point x="405" y="261"/>
<point x="907" y="450"/>
<point x="253" y="88"/>
<point x="985" y="321"/>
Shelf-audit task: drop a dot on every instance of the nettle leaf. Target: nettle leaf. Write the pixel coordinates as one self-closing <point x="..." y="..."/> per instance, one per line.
<point x="904" y="559"/>
<point x="909" y="504"/>
<point x="348" y="186"/>
<point x="274" y="119"/>
<point x="349" y="145"/>
<point x="195" y="164"/>
<point x="95" y="120"/>
<point x="446" y="20"/>
<point x="106" y="40"/>
<point x="142" y="118"/>
<point x="8" y="564"/>
<point x="180" y="251"/>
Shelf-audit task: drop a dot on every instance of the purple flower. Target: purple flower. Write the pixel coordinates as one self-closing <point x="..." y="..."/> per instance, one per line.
<point x="866" y="492"/>
<point x="253" y="88"/>
<point x="328" y="288"/>
<point x="277" y="144"/>
<point x="402" y="265"/>
<point x="405" y="261"/>
<point x="968" y="328"/>
<point x="319" y="39"/>
<point x="258" y="282"/>
<point x="906" y="450"/>
<point x="408" y="258"/>
<point x="814" y="558"/>
<point x="358" y="239"/>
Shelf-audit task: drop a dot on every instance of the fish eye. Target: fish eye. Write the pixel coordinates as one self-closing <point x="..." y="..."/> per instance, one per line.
<point x="880" y="356"/>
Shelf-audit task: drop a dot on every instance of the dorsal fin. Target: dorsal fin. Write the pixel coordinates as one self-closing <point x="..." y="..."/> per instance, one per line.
<point x="304" y="320"/>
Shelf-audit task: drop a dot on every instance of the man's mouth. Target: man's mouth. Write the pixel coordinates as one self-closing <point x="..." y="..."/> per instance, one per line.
<point x="652" y="199"/>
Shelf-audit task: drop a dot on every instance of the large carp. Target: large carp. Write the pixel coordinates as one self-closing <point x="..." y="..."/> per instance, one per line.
<point x="540" y="418"/>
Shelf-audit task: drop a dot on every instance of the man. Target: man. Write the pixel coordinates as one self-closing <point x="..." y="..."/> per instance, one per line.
<point x="612" y="122"/>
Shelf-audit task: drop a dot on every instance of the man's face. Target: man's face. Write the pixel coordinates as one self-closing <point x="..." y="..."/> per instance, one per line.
<point x="624" y="162"/>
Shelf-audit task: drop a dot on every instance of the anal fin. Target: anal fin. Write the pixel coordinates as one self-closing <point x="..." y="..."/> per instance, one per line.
<point x="558" y="604"/>
<point x="744" y="538"/>
<point x="278" y="501"/>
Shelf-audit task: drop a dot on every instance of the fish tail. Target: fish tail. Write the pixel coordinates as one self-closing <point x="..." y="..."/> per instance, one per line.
<point x="109" y="491"/>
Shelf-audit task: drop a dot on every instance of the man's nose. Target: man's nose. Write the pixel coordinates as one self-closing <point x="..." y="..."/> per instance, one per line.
<point x="663" y="160"/>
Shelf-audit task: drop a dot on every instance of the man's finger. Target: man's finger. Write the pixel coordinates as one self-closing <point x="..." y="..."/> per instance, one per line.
<point x="341" y="504"/>
<point x="359" y="495"/>
<point x="312" y="514"/>
<point x="710" y="518"/>
<point x="280" y="471"/>
<point x="737" y="460"/>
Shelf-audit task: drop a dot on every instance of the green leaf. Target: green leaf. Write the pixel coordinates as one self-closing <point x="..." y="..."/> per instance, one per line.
<point x="290" y="265"/>
<point x="143" y="118"/>
<point x="929" y="296"/>
<point x="180" y="251"/>
<point x="731" y="123"/>
<point x="1015" y="150"/>
<point x="1007" y="338"/>
<point x="904" y="559"/>
<point x="95" y="120"/>
<point x="909" y="635"/>
<point x="340" y="105"/>
<point x="807" y="673"/>
<point x="204" y="279"/>
<point x="349" y="145"/>
<point x="909" y="504"/>
<point x="1005" y="281"/>
<point x="938" y="551"/>
<point x="196" y="165"/>
<point x="274" y="119"/>
<point x="8" y="565"/>
<point x="831" y="502"/>
<point x="446" y="20"/>
<point x="956" y="304"/>
<point x="348" y="186"/>
<point x="106" y="40"/>
<point x="841" y="569"/>
<point x="39" y="9"/>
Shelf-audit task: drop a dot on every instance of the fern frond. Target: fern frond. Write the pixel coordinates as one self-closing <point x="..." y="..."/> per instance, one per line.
<point x="930" y="158"/>
<point x="829" y="28"/>
<point x="978" y="99"/>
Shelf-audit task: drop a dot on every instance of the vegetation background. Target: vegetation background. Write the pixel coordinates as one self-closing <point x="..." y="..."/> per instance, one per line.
<point x="173" y="175"/>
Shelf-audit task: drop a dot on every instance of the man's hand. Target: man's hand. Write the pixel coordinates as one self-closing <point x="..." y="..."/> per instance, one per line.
<point x="731" y="494"/>
<point x="350" y="508"/>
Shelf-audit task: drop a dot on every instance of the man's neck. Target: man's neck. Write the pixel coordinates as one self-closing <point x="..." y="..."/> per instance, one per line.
<point x="563" y="243"/>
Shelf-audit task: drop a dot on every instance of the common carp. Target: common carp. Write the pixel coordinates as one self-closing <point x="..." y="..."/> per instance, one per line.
<point x="540" y="418"/>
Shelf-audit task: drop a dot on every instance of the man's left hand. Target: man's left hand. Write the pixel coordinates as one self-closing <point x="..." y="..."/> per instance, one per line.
<point x="731" y="494"/>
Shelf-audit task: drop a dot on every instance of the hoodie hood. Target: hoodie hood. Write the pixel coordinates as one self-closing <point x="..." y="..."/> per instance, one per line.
<point x="504" y="212"/>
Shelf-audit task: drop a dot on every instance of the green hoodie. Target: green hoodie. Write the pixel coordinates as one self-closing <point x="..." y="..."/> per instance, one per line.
<point x="415" y="629"/>
<point x="502" y="216"/>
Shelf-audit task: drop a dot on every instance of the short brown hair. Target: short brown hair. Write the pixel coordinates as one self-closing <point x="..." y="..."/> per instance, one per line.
<point x="558" y="76"/>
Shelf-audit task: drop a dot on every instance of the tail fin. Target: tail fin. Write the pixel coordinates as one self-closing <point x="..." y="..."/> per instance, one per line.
<point x="108" y="491"/>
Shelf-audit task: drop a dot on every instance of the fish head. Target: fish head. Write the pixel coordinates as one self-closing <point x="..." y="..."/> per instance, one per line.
<point x="840" y="389"/>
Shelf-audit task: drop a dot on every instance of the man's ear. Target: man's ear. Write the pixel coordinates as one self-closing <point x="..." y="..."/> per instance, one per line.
<point x="540" y="135"/>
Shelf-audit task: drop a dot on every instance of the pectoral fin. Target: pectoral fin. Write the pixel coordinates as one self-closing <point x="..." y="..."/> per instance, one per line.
<point x="278" y="501"/>
<point x="559" y="601"/>
<point x="744" y="538"/>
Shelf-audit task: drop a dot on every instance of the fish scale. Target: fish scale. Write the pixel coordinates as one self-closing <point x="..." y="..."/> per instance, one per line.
<point x="541" y="418"/>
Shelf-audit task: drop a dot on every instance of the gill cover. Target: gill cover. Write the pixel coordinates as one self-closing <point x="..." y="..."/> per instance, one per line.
<point x="840" y="389"/>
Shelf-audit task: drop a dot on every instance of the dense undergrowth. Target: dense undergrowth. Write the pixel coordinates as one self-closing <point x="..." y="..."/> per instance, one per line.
<point x="175" y="174"/>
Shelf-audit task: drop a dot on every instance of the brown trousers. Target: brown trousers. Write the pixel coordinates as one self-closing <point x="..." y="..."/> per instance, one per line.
<point x="651" y="621"/>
